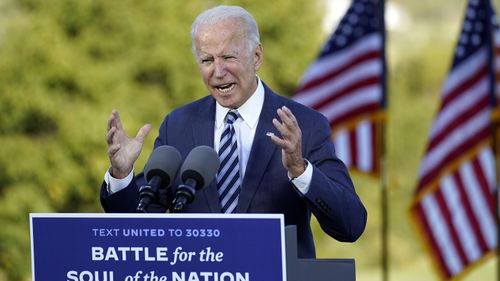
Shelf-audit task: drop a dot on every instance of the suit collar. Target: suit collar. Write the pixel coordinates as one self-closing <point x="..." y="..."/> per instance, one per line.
<point x="261" y="152"/>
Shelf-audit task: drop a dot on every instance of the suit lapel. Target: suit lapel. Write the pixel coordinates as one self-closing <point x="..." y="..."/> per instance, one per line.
<point x="203" y="134"/>
<point x="203" y="125"/>
<point x="261" y="153"/>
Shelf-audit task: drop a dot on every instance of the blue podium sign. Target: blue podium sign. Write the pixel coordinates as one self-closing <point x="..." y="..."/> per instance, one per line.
<point x="158" y="247"/>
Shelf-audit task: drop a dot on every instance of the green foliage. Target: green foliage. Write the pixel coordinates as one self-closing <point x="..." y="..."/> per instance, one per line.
<point x="65" y="64"/>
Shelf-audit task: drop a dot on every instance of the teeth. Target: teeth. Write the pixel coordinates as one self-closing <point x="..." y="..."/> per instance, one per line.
<point x="225" y="88"/>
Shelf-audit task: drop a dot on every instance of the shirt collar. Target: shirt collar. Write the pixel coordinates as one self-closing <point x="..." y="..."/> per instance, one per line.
<point x="249" y="111"/>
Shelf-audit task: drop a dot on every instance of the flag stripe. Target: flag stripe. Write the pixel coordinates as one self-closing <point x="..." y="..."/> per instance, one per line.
<point x="432" y="243"/>
<point x="463" y="89"/>
<point x="346" y="84"/>
<point x="447" y="222"/>
<point x="462" y="71"/>
<point x="353" y="152"/>
<point x="483" y="184"/>
<point x="334" y="73"/>
<point x="456" y="107"/>
<point x="449" y="154"/>
<point x="474" y="232"/>
<point x="454" y="203"/>
<point x="346" y="92"/>
<point x="339" y="58"/>
<point x="361" y="109"/>
<point x="444" y="165"/>
<point x="486" y="160"/>
<point x="341" y="142"/>
<point x="473" y="109"/>
<point x="441" y="235"/>
<point x="364" y="144"/>
<point x="333" y="90"/>
<point x="482" y="213"/>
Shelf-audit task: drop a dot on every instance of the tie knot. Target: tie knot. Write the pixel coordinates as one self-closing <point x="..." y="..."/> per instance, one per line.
<point x="231" y="117"/>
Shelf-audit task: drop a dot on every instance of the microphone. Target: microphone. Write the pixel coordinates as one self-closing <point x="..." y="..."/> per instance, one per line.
<point x="159" y="171"/>
<point x="197" y="171"/>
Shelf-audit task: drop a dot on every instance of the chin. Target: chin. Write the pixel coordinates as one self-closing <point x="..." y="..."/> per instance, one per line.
<point x="227" y="102"/>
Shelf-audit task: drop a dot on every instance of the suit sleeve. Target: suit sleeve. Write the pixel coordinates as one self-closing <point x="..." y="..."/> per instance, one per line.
<point x="331" y="196"/>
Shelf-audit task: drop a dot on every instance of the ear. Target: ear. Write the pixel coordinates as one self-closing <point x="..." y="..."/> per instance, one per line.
<point x="258" y="56"/>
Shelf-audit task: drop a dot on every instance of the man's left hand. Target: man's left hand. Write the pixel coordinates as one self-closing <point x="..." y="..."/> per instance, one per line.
<point x="290" y="142"/>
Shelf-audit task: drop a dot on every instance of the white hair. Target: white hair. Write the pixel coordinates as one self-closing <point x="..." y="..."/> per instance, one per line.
<point x="223" y="13"/>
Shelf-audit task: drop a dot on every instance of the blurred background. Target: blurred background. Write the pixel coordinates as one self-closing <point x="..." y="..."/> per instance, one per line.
<point x="64" y="65"/>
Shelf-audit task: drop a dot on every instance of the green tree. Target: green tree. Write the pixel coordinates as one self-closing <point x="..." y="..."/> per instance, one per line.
<point x="66" y="63"/>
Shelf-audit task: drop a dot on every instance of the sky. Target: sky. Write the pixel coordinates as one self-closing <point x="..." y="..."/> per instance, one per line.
<point x="394" y="16"/>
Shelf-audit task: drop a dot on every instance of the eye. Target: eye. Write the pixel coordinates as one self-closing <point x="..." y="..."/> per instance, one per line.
<point x="205" y="60"/>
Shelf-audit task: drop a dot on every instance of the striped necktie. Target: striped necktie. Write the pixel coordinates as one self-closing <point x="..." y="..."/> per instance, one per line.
<point x="228" y="177"/>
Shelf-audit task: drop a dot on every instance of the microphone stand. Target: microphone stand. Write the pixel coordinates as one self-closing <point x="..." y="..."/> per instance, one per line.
<point x="147" y="195"/>
<point x="184" y="195"/>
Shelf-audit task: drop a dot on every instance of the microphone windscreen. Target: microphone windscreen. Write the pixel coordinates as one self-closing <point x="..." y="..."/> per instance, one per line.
<point x="201" y="164"/>
<point x="164" y="161"/>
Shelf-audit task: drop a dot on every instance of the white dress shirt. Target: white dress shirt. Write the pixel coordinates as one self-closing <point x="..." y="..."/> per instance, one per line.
<point x="245" y="128"/>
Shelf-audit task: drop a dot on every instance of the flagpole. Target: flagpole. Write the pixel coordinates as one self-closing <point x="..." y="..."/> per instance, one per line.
<point x="495" y="146"/>
<point x="385" y="208"/>
<point x="496" y="196"/>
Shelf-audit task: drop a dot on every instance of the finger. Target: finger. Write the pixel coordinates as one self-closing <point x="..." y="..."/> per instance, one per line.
<point x="110" y="135"/>
<point x="143" y="132"/>
<point x="278" y="141"/>
<point x="287" y="117"/>
<point x="286" y="123"/>
<point x="283" y="144"/>
<point x="112" y="149"/>
<point x="290" y="115"/>
<point x="278" y="125"/>
<point x="282" y="128"/>
<point x="118" y="122"/>
<point x="111" y="120"/>
<point x="282" y="114"/>
<point x="291" y="129"/>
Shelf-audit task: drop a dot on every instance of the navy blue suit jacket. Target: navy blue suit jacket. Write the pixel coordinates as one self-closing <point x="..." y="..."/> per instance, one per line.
<point x="266" y="187"/>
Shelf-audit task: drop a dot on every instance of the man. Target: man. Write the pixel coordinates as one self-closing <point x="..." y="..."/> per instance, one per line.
<point x="283" y="159"/>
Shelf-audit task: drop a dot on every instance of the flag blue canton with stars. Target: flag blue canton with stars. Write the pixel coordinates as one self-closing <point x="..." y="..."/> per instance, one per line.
<point x="360" y="19"/>
<point x="474" y="33"/>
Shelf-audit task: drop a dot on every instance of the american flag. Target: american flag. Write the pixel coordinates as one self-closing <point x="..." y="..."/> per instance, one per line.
<point x="453" y="208"/>
<point x="347" y="85"/>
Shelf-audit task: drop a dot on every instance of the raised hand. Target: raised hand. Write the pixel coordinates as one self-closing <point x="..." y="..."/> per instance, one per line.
<point x="290" y="141"/>
<point x="123" y="150"/>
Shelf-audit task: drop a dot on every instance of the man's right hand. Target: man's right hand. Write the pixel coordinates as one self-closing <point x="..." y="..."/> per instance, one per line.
<point x="123" y="150"/>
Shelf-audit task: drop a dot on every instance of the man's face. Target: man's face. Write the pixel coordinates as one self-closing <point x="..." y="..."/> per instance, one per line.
<point x="226" y="63"/>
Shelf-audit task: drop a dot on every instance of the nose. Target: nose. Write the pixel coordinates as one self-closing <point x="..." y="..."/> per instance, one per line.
<point x="219" y="69"/>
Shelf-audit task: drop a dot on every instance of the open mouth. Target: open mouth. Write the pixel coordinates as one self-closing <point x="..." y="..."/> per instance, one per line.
<point x="224" y="88"/>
